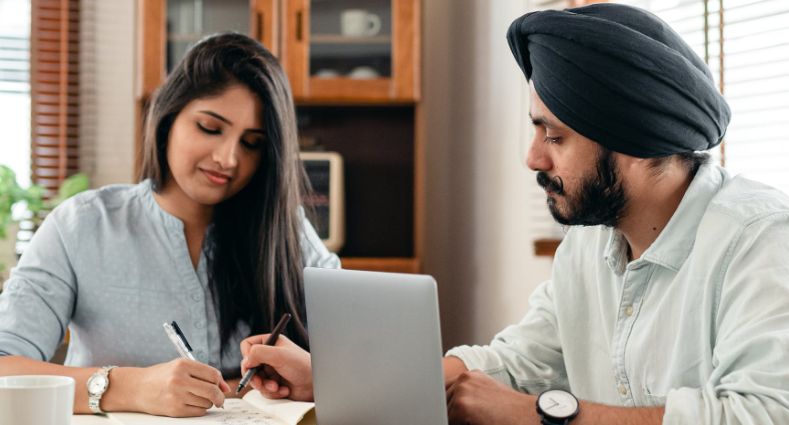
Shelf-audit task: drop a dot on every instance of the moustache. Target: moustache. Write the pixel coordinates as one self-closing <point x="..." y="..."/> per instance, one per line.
<point x="554" y="185"/>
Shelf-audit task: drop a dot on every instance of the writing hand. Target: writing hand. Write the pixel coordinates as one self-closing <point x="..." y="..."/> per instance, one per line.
<point x="180" y="388"/>
<point x="286" y="371"/>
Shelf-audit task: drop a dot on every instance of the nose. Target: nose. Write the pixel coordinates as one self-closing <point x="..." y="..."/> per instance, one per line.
<point x="225" y="154"/>
<point x="538" y="158"/>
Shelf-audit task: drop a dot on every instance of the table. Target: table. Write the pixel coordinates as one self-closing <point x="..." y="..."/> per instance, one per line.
<point x="91" y="420"/>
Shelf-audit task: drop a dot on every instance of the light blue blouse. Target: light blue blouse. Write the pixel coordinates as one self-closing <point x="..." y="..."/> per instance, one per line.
<point x="112" y="266"/>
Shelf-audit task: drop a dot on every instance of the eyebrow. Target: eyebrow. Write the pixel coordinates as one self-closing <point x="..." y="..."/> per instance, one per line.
<point x="542" y="121"/>
<point x="225" y="120"/>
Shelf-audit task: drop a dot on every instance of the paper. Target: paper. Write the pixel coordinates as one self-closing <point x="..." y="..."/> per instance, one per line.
<point x="253" y="409"/>
<point x="289" y="411"/>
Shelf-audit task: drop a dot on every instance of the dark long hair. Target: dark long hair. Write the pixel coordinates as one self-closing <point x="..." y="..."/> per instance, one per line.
<point x="252" y="245"/>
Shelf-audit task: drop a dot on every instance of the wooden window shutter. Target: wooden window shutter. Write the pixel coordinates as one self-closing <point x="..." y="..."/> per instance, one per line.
<point x="54" y="92"/>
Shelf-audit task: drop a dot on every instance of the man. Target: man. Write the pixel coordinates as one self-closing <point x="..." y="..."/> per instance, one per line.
<point x="668" y="303"/>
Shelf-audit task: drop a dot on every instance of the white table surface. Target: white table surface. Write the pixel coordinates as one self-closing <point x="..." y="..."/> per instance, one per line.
<point x="91" y="420"/>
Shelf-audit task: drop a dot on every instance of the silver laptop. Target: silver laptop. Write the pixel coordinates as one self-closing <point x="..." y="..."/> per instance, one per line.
<point x="376" y="348"/>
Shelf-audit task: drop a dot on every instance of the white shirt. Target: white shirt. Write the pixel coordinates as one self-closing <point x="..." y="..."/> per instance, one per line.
<point x="699" y="323"/>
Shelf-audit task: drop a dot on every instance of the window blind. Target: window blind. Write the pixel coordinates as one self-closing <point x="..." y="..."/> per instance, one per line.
<point x="54" y="92"/>
<point x="746" y="45"/>
<point x="542" y="225"/>
<point x="15" y="87"/>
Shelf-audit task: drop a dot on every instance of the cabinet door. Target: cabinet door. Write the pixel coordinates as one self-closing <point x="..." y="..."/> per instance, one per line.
<point x="169" y="27"/>
<point x="188" y="21"/>
<point x="264" y="23"/>
<point x="352" y="50"/>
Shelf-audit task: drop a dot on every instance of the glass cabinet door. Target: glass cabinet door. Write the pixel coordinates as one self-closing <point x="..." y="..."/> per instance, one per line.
<point x="350" y="39"/>
<point x="190" y="20"/>
<point x="352" y="50"/>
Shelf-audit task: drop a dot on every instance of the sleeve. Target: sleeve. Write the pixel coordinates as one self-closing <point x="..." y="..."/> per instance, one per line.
<point x="750" y="380"/>
<point x="526" y="356"/>
<point x="39" y="297"/>
<point x="313" y="249"/>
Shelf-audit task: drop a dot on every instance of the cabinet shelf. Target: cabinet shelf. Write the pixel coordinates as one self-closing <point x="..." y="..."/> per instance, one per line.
<point x="341" y="39"/>
<point x="184" y="37"/>
<point x="391" y="264"/>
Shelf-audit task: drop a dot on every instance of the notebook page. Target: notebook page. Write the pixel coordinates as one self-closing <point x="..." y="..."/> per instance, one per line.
<point x="289" y="411"/>
<point x="236" y="412"/>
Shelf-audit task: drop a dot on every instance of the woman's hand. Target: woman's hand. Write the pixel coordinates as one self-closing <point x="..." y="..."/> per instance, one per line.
<point x="179" y="388"/>
<point x="286" y="371"/>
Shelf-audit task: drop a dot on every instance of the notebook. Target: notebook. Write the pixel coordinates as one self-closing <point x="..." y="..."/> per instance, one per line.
<point x="253" y="409"/>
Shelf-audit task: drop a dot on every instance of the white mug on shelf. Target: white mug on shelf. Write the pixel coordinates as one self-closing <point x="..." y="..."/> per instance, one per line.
<point x="359" y="23"/>
<point x="36" y="400"/>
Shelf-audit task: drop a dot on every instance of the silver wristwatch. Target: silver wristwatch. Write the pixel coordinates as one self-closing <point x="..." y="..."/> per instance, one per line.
<point x="97" y="385"/>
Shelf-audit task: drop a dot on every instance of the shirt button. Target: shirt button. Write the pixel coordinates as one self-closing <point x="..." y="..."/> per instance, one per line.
<point x="629" y="310"/>
<point x="197" y="296"/>
<point x="199" y="324"/>
<point x="201" y="356"/>
<point x="622" y="389"/>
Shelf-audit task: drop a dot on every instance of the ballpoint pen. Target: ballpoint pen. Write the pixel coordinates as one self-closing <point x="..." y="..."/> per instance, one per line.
<point x="272" y="339"/>
<point x="179" y="340"/>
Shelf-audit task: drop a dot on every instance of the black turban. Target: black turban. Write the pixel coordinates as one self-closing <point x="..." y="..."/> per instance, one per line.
<point x="620" y="76"/>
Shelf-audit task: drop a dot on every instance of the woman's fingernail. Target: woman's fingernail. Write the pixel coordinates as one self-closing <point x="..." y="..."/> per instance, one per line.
<point x="271" y="386"/>
<point x="244" y="362"/>
<point x="255" y="384"/>
<point x="283" y="391"/>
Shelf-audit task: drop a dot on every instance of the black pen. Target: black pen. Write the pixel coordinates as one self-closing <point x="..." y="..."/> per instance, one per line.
<point x="272" y="339"/>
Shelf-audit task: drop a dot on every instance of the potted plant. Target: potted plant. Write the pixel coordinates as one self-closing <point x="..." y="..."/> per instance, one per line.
<point x="12" y="194"/>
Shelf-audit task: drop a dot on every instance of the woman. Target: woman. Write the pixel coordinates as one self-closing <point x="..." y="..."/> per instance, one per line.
<point x="213" y="237"/>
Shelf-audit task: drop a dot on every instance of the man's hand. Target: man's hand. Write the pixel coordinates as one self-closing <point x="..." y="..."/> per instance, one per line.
<point x="476" y="398"/>
<point x="286" y="371"/>
<point x="453" y="367"/>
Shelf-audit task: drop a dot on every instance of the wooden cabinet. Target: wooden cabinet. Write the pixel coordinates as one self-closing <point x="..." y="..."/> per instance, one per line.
<point x="355" y="71"/>
<point x="322" y="44"/>
<point x="330" y="55"/>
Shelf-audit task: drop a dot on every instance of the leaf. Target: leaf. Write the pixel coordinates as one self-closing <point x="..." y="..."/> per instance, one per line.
<point x="33" y="196"/>
<point x="71" y="186"/>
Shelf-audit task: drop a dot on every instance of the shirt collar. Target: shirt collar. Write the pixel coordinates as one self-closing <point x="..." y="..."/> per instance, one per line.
<point x="673" y="245"/>
<point x="155" y="210"/>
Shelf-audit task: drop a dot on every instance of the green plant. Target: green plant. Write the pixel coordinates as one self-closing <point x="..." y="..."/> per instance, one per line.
<point x="11" y="193"/>
<point x="71" y="186"/>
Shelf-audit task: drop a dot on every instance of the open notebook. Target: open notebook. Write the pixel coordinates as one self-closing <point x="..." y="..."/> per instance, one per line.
<point x="253" y="409"/>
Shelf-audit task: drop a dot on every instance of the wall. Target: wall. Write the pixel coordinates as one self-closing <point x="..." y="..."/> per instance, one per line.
<point x="107" y="91"/>
<point x="483" y="204"/>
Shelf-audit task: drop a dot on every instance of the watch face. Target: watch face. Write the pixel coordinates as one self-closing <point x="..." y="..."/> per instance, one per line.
<point x="558" y="404"/>
<point x="96" y="384"/>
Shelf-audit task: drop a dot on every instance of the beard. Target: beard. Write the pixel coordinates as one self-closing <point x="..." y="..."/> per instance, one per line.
<point x="599" y="200"/>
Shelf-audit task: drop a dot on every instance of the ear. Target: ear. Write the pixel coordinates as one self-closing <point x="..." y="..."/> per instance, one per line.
<point x="627" y="163"/>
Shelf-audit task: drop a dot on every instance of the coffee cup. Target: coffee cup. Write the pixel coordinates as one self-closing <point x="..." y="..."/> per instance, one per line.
<point x="36" y="400"/>
<point x="359" y="23"/>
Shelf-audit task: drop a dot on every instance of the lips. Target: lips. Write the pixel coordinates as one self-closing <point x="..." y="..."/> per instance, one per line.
<point x="216" y="177"/>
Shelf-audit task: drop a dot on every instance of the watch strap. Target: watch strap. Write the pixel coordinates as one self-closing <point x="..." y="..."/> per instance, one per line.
<point x="95" y="399"/>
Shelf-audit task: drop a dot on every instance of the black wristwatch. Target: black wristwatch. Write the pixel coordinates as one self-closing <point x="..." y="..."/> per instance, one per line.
<point x="557" y="407"/>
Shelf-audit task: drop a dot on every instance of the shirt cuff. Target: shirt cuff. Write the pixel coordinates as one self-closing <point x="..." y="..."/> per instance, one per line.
<point x="484" y="359"/>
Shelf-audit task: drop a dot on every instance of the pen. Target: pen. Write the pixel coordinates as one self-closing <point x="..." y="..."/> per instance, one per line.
<point x="272" y="339"/>
<point x="179" y="340"/>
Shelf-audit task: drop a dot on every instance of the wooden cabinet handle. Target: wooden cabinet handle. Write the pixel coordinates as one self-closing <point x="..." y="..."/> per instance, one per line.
<point x="260" y="26"/>
<point x="299" y="26"/>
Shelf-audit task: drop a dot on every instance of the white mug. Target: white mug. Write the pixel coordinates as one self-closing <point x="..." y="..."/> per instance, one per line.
<point x="36" y="400"/>
<point x="359" y="23"/>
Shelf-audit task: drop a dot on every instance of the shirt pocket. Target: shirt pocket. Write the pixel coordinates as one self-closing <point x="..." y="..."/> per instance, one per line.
<point x="654" y="400"/>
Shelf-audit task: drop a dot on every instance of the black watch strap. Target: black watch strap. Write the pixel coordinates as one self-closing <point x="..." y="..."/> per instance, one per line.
<point x="546" y="421"/>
